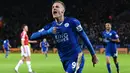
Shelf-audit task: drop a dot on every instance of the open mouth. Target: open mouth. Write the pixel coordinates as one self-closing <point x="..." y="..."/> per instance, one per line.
<point x="54" y="12"/>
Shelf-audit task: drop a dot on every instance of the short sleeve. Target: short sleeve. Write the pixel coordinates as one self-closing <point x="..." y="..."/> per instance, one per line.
<point x="115" y="35"/>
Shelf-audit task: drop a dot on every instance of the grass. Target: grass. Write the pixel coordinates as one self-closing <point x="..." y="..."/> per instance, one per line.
<point x="53" y="65"/>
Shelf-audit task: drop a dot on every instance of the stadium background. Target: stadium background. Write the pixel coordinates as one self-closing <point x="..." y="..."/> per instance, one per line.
<point x="92" y="13"/>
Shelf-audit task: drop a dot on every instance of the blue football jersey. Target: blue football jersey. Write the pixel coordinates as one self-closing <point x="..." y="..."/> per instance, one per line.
<point x="44" y="44"/>
<point x="66" y="37"/>
<point x="110" y="46"/>
<point x="5" y="43"/>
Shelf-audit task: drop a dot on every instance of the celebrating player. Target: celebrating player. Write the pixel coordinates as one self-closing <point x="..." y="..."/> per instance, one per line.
<point x="65" y="31"/>
<point x="7" y="47"/>
<point x="25" y="50"/>
<point x="44" y="46"/>
<point x="110" y="37"/>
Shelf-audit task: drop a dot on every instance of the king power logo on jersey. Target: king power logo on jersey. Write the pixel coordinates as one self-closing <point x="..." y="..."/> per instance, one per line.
<point x="61" y="37"/>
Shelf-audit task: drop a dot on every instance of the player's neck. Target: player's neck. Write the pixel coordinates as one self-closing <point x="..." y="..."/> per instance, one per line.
<point x="24" y="31"/>
<point x="59" y="19"/>
<point x="108" y="30"/>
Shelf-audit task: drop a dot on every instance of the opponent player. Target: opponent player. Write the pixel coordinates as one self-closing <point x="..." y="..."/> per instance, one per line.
<point x="110" y="37"/>
<point x="7" y="47"/>
<point x="44" y="46"/>
<point x="25" y="50"/>
<point x="65" y="31"/>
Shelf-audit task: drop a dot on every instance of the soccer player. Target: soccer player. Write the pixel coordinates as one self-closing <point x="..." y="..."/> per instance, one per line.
<point x="110" y="37"/>
<point x="25" y="50"/>
<point x="65" y="31"/>
<point x="7" y="47"/>
<point x="44" y="46"/>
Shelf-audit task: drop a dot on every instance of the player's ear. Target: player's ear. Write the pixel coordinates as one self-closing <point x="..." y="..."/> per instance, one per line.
<point x="63" y="11"/>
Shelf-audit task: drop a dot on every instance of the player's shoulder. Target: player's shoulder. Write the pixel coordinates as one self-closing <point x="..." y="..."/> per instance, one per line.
<point x="23" y="32"/>
<point x="51" y="23"/>
<point x="113" y="31"/>
<point x="72" y="19"/>
<point x="103" y="32"/>
<point x="47" y="26"/>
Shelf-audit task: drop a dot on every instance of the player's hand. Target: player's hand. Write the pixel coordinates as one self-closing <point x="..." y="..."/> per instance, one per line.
<point x="94" y="60"/>
<point x="54" y="30"/>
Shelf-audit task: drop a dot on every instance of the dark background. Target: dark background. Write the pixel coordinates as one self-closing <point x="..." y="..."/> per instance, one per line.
<point x="93" y="14"/>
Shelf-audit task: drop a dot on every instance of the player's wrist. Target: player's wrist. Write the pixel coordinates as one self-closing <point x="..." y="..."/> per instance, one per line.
<point x="93" y="55"/>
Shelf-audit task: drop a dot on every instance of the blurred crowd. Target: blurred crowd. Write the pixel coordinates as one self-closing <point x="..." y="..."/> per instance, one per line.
<point x="93" y="14"/>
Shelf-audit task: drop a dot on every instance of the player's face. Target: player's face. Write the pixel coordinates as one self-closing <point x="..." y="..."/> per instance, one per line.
<point x="57" y="10"/>
<point x="44" y="40"/>
<point x="108" y="26"/>
<point x="26" y="28"/>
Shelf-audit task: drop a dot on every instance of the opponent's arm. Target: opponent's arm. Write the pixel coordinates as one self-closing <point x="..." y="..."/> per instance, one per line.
<point x="40" y="44"/>
<point x="32" y="41"/>
<point x="22" y="43"/>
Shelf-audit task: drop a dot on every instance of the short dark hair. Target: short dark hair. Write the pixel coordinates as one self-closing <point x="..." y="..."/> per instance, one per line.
<point x="62" y="3"/>
<point x="108" y="23"/>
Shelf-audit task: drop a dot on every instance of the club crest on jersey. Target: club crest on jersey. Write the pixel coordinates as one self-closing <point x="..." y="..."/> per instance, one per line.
<point x="66" y="24"/>
<point x="110" y="34"/>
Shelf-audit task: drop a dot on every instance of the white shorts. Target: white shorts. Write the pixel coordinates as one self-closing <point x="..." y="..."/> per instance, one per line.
<point x="27" y="51"/>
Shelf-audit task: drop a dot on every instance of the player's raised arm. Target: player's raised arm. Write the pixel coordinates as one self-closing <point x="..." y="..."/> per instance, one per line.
<point x="48" y="29"/>
<point x="40" y="33"/>
<point x="86" y="40"/>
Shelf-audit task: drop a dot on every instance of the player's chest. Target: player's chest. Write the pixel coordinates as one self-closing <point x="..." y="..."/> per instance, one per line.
<point x="64" y="28"/>
<point x="108" y="35"/>
<point x="63" y="32"/>
<point x="26" y="37"/>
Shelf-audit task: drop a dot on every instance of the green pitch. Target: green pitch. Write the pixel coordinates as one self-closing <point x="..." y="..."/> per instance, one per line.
<point x="53" y="65"/>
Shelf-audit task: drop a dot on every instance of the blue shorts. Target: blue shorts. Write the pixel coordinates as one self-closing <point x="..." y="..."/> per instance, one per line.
<point x="6" y="48"/>
<point x="113" y="54"/>
<point x="44" y="49"/>
<point x="71" y="64"/>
